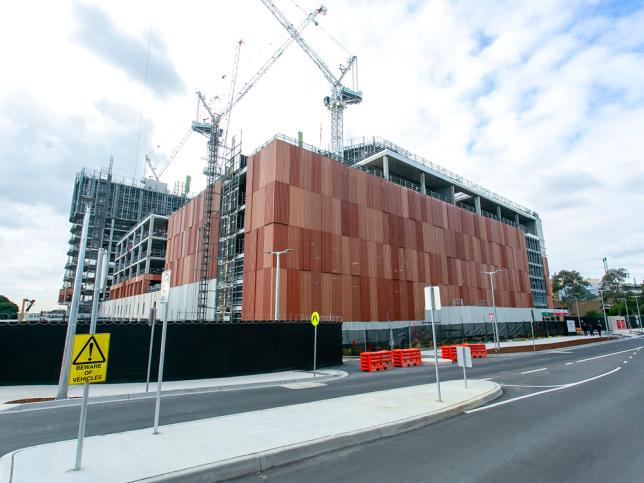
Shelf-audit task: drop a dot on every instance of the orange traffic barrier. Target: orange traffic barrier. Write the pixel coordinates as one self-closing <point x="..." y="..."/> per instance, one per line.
<point x="375" y="361"/>
<point x="406" y="357"/>
<point x="478" y="350"/>
<point x="448" y="352"/>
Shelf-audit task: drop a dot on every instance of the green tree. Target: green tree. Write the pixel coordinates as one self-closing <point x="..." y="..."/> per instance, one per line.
<point x="611" y="285"/>
<point x="570" y="285"/>
<point x="8" y="310"/>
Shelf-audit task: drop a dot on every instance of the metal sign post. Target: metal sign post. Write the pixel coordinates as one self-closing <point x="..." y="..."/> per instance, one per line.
<point x="534" y="347"/>
<point x="464" y="359"/>
<point x="165" y="296"/>
<point x="92" y="330"/>
<point x="433" y="302"/>
<point x="315" y="320"/>
<point x="152" y="323"/>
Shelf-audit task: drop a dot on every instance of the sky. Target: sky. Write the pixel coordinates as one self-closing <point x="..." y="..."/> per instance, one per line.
<point x="542" y="102"/>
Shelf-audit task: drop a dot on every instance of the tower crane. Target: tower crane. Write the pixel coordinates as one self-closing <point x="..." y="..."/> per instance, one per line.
<point x="340" y="97"/>
<point x="213" y="170"/>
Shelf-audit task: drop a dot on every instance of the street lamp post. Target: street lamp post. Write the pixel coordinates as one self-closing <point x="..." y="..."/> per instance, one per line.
<point x="278" y="253"/>
<point x="496" y="327"/>
<point x="628" y="321"/>
<point x="639" y="316"/>
<point x="601" y="294"/>
<point x="578" y="317"/>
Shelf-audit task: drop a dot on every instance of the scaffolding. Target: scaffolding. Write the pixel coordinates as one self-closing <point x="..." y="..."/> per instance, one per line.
<point x="230" y="256"/>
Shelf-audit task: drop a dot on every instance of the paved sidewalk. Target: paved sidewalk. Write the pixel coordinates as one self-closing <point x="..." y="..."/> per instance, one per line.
<point x="245" y="443"/>
<point x="137" y="389"/>
<point x="540" y="340"/>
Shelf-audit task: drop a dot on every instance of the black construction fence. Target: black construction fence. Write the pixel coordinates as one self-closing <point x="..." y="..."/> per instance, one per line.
<point x="356" y="341"/>
<point x="31" y="353"/>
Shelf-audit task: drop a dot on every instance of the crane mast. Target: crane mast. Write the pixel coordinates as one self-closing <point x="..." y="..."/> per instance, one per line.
<point x="340" y="97"/>
<point x="213" y="171"/>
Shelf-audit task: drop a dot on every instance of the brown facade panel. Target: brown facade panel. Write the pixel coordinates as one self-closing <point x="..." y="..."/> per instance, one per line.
<point x="364" y="248"/>
<point x="183" y="249"/>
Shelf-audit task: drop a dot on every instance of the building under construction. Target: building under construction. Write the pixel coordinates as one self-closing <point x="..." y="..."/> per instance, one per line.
<point x="116" y="205"/>
<point x="367" y="233"/>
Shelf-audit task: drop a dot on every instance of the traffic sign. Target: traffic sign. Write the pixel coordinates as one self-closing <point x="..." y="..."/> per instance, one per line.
<point x="315" y="319"/>
<point x="165" y="286"/>
<point x="89" y="358"/>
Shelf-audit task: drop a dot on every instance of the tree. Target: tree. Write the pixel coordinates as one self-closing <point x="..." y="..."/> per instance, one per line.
<point x="611" y="285"/>
<point x="8" y="310"/>
<point x="570" y="285"/>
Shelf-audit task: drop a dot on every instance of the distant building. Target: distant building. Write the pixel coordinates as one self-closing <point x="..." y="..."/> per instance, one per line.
<point x="117" y="205"/>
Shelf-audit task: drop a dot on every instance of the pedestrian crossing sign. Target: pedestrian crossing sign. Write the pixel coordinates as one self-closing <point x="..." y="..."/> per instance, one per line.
<point x="89" y="358"/>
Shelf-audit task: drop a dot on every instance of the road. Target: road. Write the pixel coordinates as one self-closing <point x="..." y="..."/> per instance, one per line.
<point x="26" y="428"/>
<point x="538" y="431"/>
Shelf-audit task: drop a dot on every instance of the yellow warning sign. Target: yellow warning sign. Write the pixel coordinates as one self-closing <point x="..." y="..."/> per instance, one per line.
<point x="315" y="319"/>
<point x="89" y="359"/>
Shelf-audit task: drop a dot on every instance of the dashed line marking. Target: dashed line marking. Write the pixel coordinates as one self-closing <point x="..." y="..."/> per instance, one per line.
<point x="608" y="355"/>
<point x="569" y="363"/>
<point x="535" y="370"/>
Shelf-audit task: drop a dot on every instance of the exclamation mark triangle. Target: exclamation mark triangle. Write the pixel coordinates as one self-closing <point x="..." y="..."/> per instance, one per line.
<point x="87" y="355"/>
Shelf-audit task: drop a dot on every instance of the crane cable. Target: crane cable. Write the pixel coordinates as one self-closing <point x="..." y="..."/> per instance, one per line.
<point x="328" y="34"/>
<point x="145" y="88"/>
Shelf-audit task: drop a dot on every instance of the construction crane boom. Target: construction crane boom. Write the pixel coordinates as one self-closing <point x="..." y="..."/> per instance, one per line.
<point x="213" y="131"/>
<point x="340" y="96"/>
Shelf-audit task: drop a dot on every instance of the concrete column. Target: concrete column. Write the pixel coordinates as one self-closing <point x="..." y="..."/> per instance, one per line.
<point x="516" y="218"/>
<point x="498" y="211"/>
<point x="423" y="187"/>
<point x="385" y="166"/>
<point x="448" y="192"/>
<point x="477" y="204"/>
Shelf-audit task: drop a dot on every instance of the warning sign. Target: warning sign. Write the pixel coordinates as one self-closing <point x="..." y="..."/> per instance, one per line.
<point x="89" y="359"/>
<point x="315" y="319"/>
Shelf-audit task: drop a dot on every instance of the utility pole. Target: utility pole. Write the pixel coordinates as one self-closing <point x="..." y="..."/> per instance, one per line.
<point x="277" y="280"/>
<point x="496" y="326"/>
<point x="63" y="382"/>
<point x="578" y="317"/>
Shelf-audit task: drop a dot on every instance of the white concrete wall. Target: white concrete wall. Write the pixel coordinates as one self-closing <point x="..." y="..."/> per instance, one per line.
<point x="182" y="304"/>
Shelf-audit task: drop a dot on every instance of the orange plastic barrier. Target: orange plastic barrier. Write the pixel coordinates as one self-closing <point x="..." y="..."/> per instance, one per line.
<point x="478" y="350"/>
<point x="407" y="357"/>
<point x="375" y="361"/>
<point x="448" y="352"/>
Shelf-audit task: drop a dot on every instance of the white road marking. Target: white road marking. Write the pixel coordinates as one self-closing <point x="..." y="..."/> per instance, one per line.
<point x="521" y="385"/>
<point x="566" y="386"/>
<point x="607" y="355"/>
<point x="535" y="370"/>
<point x="303" y="385"/>
<point x="625" y="362"/>
<point x="569" y="363"/>
<point x="559" y="352"/>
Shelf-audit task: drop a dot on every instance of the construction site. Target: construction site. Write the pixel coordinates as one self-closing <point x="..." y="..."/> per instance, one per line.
<point x="354" y="231"/>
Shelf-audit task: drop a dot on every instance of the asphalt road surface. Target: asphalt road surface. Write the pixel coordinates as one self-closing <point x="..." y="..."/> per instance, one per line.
<point x="542" y="430"/>
<point x="592" y="430"/>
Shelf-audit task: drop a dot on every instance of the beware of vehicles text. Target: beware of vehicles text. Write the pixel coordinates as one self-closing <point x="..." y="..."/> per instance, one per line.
<point x="89" y="359"/>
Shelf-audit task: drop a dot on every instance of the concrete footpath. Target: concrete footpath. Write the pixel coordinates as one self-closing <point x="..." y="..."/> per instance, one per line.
<point x="135" y="390"/>
<point x="245" y="443"/>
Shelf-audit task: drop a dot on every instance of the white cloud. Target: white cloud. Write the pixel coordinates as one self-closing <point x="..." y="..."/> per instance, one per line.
<point x="542" y="102"/>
